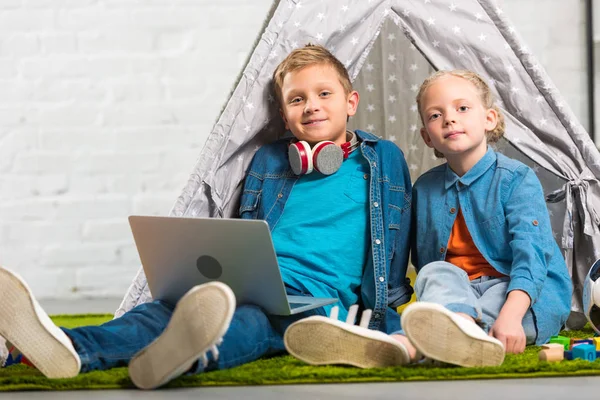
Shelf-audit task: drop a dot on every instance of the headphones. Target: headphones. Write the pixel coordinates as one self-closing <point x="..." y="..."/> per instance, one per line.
<point x="326" y="157"/>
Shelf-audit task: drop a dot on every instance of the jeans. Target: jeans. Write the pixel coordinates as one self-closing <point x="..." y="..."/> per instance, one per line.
<point x="251" y="335"/>
<point x="482" y="298"/>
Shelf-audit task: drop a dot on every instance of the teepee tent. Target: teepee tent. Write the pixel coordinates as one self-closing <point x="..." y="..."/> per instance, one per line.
<point x="389" y="47"/>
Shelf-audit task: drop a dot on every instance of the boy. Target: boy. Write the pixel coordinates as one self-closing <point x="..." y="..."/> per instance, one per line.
<point x="340" y="231"/>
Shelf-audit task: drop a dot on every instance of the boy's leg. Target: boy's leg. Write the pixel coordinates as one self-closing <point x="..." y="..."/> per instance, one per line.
<point x="434" y="324"/>
<point x="26" y="326"/>
<point x="197" y="326"/>
<point x="114" y="343"/>
<point x="318" y="340"/>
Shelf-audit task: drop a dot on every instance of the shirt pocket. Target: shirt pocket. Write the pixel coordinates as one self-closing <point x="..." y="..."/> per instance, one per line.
<point x="357" y="188"/>
<point x="495" y="236"/>
<point x="249" y="204"/>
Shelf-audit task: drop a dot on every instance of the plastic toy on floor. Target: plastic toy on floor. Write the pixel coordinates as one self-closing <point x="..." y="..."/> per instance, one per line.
<point x="563" y="348"/>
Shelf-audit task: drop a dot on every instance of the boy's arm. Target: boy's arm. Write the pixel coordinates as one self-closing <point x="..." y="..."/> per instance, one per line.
<point x="398" y="284"/>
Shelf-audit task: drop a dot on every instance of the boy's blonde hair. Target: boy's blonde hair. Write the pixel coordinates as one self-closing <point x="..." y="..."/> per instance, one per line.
<point x="302" y="57"/>
<point x="485" y="94"/>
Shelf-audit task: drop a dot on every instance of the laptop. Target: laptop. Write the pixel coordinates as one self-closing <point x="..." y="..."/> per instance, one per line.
<point x="178" y="253"/>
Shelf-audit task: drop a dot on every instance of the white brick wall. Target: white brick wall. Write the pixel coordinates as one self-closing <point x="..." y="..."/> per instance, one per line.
<point x="105" y="105"/>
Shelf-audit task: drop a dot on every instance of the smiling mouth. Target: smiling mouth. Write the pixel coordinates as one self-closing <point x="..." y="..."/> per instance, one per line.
<point x="313" y="122"/>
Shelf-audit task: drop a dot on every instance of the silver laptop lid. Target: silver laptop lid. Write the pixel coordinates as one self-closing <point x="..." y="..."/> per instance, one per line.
<point x="178" y="253"/>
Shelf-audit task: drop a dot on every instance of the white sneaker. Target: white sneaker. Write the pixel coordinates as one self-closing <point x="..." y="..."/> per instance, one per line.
<point x="29" y="329"/>
<point x="442" y="335"/>
<point x="318" y="340"/>
<point x="198" y="324"/>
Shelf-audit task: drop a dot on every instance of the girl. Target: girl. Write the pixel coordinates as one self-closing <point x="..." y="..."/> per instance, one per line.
<point x="491" y="277"/>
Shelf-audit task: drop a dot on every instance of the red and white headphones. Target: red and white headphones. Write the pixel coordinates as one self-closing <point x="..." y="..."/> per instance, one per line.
<point x="326" y="157"/>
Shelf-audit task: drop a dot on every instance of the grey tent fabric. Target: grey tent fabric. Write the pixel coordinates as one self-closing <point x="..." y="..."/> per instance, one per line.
<point x="389" y="47"/>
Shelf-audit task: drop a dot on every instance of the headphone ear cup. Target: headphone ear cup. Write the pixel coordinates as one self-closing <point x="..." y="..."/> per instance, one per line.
<point x="327" y="157"/>
<point x="300" y="158"/>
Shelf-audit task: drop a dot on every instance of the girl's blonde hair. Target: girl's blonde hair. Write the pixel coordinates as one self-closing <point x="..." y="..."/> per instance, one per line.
<point x="485" y="94"/>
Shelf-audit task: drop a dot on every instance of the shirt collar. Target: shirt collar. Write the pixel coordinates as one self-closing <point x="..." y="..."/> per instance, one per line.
<point x="474" y="173"/>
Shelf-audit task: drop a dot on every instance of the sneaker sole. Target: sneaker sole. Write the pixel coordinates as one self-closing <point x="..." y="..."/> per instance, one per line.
<point x="323" y="341"/>
<point x="20" y="325"/>
<point x="200" y="319"/>
<point x="437" y="336"/>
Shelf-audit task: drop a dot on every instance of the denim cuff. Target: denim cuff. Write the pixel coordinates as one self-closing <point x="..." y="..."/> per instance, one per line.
<point x="84" y="357"/>
<point x="464" y="309"/>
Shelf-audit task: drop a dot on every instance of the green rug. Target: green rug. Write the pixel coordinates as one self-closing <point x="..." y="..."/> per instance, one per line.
<point x="287" y="370"/>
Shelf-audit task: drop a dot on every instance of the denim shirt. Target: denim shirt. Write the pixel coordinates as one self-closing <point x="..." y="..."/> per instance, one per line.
<point x="384" y="285"/>
<point x="504" y="208"/>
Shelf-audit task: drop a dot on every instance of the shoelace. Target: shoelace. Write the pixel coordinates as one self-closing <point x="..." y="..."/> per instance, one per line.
<point x="215" y="353"/>
<point x="351" y="317"/>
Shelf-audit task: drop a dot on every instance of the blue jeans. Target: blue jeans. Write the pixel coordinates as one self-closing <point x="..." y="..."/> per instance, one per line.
<point x="251" y="335"/>
<point x="482" y="298"/>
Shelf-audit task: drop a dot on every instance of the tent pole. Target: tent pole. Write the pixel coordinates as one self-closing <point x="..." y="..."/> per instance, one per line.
<point x="589" y="27"/>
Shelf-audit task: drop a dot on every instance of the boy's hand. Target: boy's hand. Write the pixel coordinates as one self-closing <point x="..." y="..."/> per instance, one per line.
<point x="510" y="332"/>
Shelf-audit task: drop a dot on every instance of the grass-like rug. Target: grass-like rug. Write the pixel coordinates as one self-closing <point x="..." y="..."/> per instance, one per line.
<point x="287" y="370"/>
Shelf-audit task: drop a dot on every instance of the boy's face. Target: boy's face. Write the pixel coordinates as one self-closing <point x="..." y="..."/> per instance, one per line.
<point x="314" y="105"/>
<point x="455" y="119"/>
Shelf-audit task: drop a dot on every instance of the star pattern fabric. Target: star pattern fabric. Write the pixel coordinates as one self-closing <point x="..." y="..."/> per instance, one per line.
<point x="389" y="47"/>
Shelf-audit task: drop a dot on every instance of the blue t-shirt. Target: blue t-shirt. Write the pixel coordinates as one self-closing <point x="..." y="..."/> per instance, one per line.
<point x="322" y="237"/>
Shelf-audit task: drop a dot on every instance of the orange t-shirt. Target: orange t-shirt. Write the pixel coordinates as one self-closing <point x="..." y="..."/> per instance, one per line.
<point x="463" y="253"/>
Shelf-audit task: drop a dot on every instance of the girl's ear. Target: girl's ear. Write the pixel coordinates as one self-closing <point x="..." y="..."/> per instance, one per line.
<point x="491" y="119"/>
<point x="426" y="138"/>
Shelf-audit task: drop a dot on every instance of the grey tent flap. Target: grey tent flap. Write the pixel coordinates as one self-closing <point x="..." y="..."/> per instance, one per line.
<point x="389" y="47"/>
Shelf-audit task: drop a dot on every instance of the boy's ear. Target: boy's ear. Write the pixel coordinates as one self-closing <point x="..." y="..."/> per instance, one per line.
<point x="491" y="119"/>
<point x="426" y="138"/>
<point x="284" y="118"/>
<point x="353" y="99"/>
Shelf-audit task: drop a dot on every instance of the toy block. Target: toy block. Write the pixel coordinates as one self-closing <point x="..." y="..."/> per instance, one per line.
<point x="585" y="352"/>
<point x="596" y="341"/>
<point x="577" y="342"/>
<point x="565" y="341"/>
<point x="553" y="346"/>
<point x="568" y="355"/>
<point x="552" y="355"/>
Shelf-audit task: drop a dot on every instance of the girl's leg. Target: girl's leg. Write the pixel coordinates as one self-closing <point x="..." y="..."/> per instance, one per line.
<point x="492" y="293"/>
<point x="441" y="324"/>
<point x="443" y="283"/>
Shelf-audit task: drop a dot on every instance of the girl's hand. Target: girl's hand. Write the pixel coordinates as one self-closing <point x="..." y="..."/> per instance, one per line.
<point x="509" y="330"/>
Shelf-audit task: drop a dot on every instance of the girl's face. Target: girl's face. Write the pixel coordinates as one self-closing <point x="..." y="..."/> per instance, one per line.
<point x="455" y="120"/>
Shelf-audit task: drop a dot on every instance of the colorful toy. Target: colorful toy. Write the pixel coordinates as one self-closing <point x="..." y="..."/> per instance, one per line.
<point x="563" y="348"/>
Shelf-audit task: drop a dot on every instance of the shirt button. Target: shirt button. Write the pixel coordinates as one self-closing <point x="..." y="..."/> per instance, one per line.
<point x="535" y="222"/>
<point x="442" y="249"/>
<point x="374" y="164"/>
<point x="452" y="210"/>
<point x="366" y="176"/>
<point x="280" y="195"/>
<point x="375" y="204"/>
<point x="381" y="279"/>
<point x="377" y="241"/>
<point x="376" y="315"/>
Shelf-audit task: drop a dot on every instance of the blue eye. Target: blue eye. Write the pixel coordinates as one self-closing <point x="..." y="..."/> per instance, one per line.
<point x="434" y="116"/>
<point x="295" y="100"/>
<point x="325" y="93"/>
<point x="463" y="108"/>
